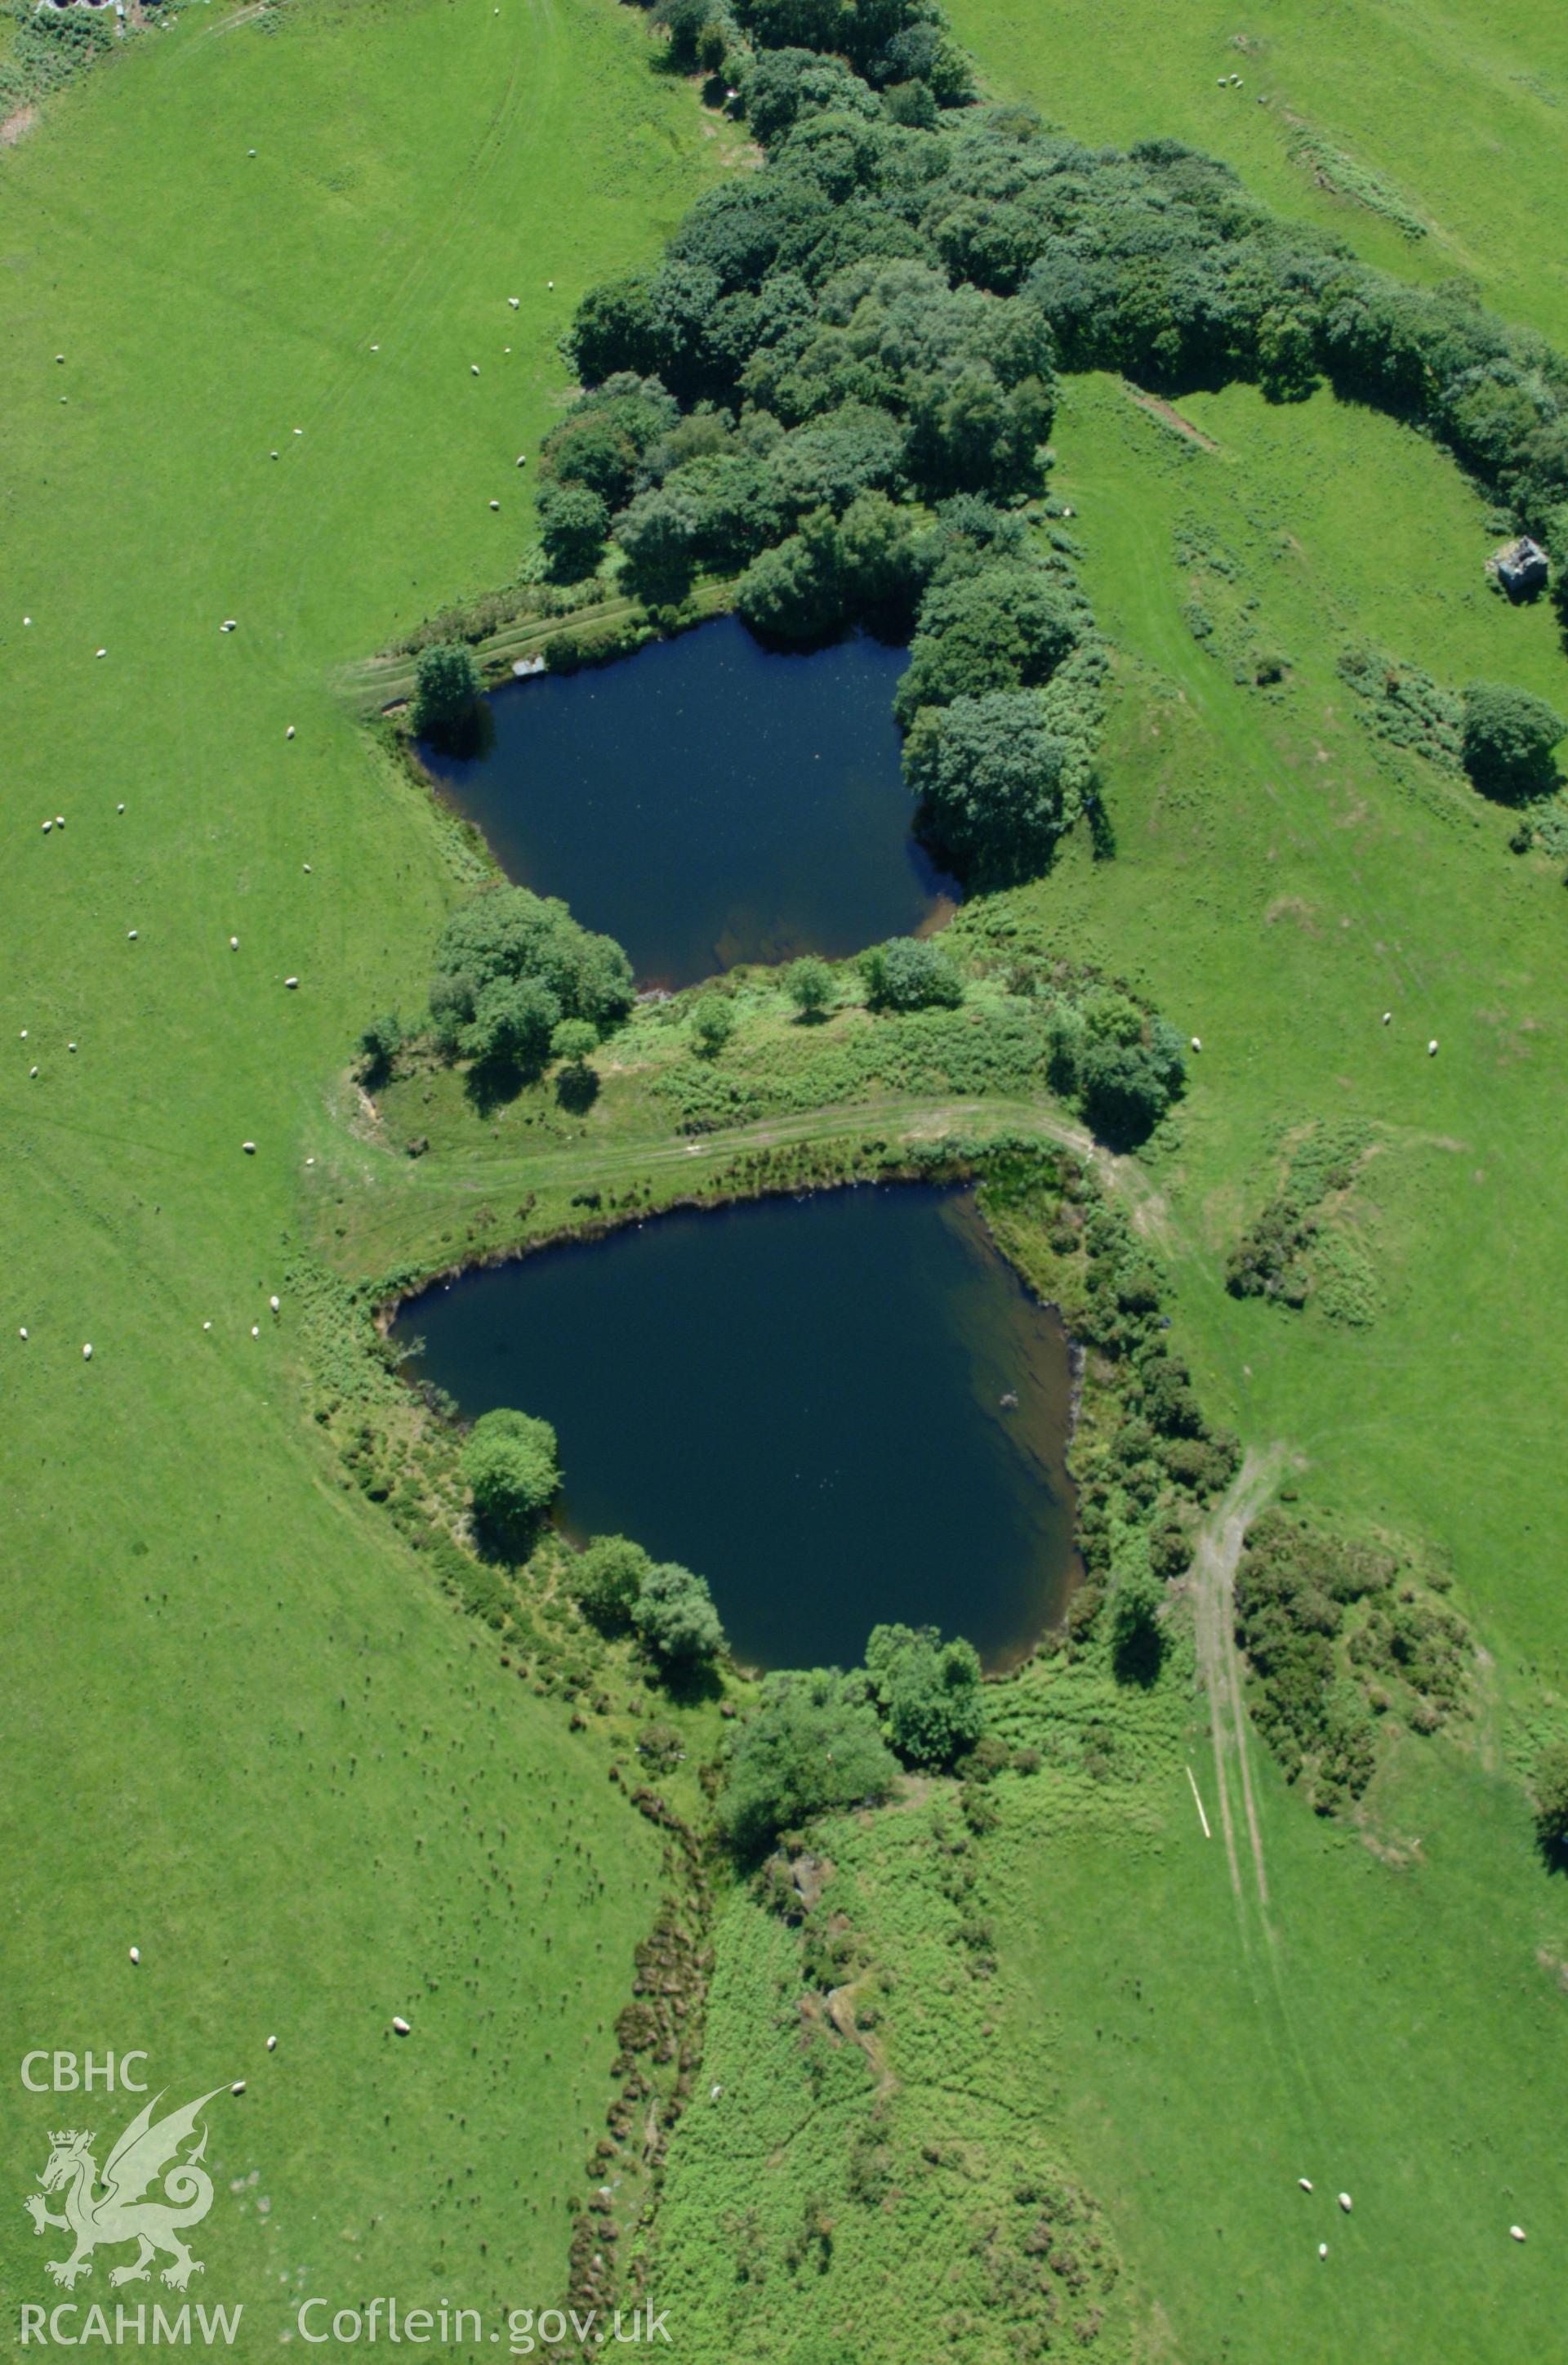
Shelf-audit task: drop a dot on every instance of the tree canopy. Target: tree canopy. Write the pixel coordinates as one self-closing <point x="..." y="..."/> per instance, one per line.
<point x="1508" y="737"/>
<point x="510" y="966"/>
<point x="675" y="1618"/>
<point x="446" y="690"/>
<point x="511" y="1467"/>
<point x="607" y="1579"/>
<point x="929" y="1693"/>
<point x="812" y="1744"/>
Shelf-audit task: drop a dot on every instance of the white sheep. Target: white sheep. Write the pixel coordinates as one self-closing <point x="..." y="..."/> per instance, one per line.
<point x="272" y="2045"/>
<point x="1304" y="2182"/>
<point x="1432" y="1048"/>
<point x="119" y="809"/>
<point x="289" y="733"/>
<point x="1323" y="2250"/>
<point x="87" y="1352"/>
<point x="274" y="1303"/>
<point x="255" y="1329"/>
<point x="136" y="1954"/>
<point x="473" y="369"/>
<point x="233" y="944"/>
<point x="400" y="2026"/>
<point x="1198" y="1046"/>
<point x="291" y="982"/>
<point x="495" y="505"/>
<point x="514" y="301"/>
<point x="131" y="935"/>
<point x="1387" y="1018"/>
<point x="23" y="1332"/>
<point x="1345" y="2202"/>
<point x="249" y="1148"/>
<point x="1517" y="2231"/>
<point x="238" y="2086"/>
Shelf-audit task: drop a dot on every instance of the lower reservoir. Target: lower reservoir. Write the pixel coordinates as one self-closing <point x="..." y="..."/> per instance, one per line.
<point x="842" y="1410"/>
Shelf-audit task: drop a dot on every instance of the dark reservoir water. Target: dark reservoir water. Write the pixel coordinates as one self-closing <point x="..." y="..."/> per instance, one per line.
<point x="801" y="1399"/>
<point x="709" y="802"/>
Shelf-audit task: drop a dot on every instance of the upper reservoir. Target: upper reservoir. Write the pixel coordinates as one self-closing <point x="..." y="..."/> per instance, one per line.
<point x="709" y="800"/>
<point x="842" y="1410"/>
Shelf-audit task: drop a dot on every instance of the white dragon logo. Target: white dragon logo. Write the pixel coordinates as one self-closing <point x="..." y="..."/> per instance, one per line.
<point x="120" y="2213"/>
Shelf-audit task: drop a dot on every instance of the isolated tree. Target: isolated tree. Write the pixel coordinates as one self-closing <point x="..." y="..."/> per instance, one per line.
<point x="607" y="1578"/>
<point x="812" y="1744"/>
<point x="508" y="936"/>
<point x="911" y="973"/>
<point x="675" y="1618"/>
<point x="511" y="1467"/>
<point x="573" y="1040"/>
<point x="1507" y="741"/>
<point x="712" y="1024"/>
<point x="446" y="690"/>
<point x="810" y="986"/>
<point x="929" y="1692"/>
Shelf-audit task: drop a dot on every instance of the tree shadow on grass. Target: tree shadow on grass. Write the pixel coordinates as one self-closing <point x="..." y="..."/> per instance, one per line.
<point x="576" y="1088"/>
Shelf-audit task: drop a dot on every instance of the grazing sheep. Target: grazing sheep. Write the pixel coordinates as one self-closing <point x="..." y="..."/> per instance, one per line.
<point x="47" y="827"/>
<point x="523" y="459"/>
<point x="233" y="944"/>
<point x="1517" y="2231"/>
<point x="87" y="1352"/>
<point x="131" y="935"/>
<point x="102" y="652"/>
<point x="291" y="982"/>
<point x="23" y="1332"/>
<point x="289" y="733"/>
<point x="495" y="505"/>
<point x="60" y="821"/>
<point x="400" y="2026"/>
<point x="272" y="1302"/>
<point x="238" y="2086"/>
<point x="1387" y="1016"/>
<point x="514" y="301"/>
<point x="1196" y="1044"/>
<point x="1345" y="2202"/>
<point x="119" y="809"/>
<point x="136" y="1954"/>
<point x="1432" y="1048"/>
<point x="1323" y="2250"/>
<point x="249" y="1148"/>
<point x="255" y="1329"/>
<point x="1304" y="2182"/>
<point x="32" y="1071"/>
<point x="272" y="2045"/>
<point x="473" y="369"/>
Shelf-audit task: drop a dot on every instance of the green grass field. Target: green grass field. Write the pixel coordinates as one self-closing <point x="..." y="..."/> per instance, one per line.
<point x="243" y="1733"/>
<point x="246" y="1734"/>
<point x="1459" y="114"/>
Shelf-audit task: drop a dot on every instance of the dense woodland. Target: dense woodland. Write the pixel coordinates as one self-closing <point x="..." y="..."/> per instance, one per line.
<point x="839" y="385"/>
